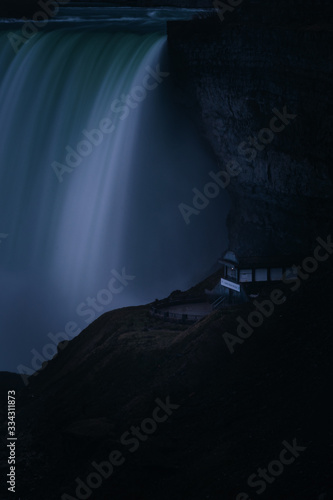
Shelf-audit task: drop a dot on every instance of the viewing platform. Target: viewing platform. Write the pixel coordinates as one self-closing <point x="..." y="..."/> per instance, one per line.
<point x="239" y="280"/>
<point x="185" y="310"/>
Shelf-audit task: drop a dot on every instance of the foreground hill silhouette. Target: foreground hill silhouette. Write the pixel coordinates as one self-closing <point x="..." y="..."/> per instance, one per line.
<point x="235" y="410"/>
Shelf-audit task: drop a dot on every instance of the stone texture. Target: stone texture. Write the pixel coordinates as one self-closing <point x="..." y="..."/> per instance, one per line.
<point x="231" y="75"/>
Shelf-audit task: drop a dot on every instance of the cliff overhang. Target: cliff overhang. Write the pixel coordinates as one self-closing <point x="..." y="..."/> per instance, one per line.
<point x="259" y="85"/>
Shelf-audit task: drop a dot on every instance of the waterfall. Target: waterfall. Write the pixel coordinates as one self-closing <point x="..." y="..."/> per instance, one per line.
<point x="91" y="180"/>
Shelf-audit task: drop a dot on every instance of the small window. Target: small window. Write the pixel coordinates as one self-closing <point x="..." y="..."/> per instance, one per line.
<point x="261" y="275"/>
<point x="245" y="275"/>
<point x="276" y="274"/>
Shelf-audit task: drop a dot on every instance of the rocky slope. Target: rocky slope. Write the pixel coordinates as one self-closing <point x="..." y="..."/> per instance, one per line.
<point x="236" y="73"/>
<point x="233" y="411"/>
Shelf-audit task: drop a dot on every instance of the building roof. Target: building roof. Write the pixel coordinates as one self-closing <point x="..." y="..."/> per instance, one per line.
<point x="262" y="261"/>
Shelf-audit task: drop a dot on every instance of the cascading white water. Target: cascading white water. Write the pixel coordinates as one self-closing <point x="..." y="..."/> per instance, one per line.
<point x="119" y="206"/>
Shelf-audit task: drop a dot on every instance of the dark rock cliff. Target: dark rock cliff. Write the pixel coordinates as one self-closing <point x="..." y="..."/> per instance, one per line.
<point x="236" y="71"/>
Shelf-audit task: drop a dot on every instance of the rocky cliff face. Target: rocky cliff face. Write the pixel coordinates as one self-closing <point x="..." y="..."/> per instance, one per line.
<point x="259" y="82"/>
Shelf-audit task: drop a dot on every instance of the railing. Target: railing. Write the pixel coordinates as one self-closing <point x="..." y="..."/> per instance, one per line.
<point x="159" y="304"/>
<point x="218" y="302"/>
<point x="158" y="309"/>
<point x="185" y="317"/>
